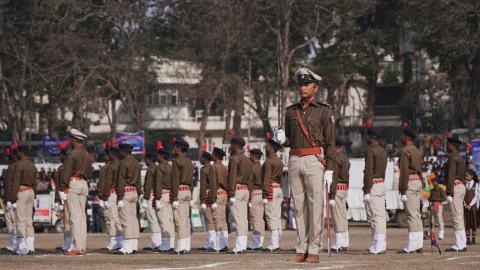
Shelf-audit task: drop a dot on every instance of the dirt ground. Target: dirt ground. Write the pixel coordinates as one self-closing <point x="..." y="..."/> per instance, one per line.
<point x="357" y="258"/>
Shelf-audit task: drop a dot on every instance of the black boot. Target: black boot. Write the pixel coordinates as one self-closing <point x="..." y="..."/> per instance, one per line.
<point x="468" y="240"/>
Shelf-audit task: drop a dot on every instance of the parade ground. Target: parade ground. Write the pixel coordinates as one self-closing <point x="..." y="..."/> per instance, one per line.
<point x="357" y="257"/>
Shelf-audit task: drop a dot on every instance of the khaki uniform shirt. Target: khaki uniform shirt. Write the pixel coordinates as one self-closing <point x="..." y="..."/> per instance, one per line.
<point x="182" y="174"/>
<point x="257" y="175"/>
<point x="128" y="175"/>
<point x="78" y="163"/>
<point x="163" y="179"/>
<point x="111" y="177"/>
<point x="410" y="162"/>
<point x="272" y="171"/>
<point x="375" y="166"/>
<point x="101" y="182"/>
<point x="148" y="183"/>
<point x="454" y="170"/>
<point x="320" y="123"/>
<point x="25" y="175"/>
<point x="239" y="172"/>
<point x="218" y="179"/>
<point x="341" y="173"/>
<point x="8" y="182"/>
<point x="204" y="181"/>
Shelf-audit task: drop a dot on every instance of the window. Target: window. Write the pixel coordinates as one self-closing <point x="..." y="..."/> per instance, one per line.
<point x="163" y="97"/>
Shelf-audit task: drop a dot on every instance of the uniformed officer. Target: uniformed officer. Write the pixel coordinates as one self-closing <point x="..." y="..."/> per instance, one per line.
<point x="437" y="197"/>
<point x="182" y="173"/>
<point x="257" y="207"/>
<point x="67" y="232"/>
<point x="101" y="190"/>
<point x="455" y="175"/>
<point x="240" y="177"/>
<point x="22" y="198"/>
<point x="128" y="190"/>
<point x="148" y="203"/>
<point x="109" y="197"/>
<point x="211" y="238"/>
<point x="162" y="188"/>
<point x="10" y="212"/>
<point x="218" y="196"/>
<point x="77" y="168"/>
<point x="310" y="133"/>
<point x="410" y="187"/>
<point x="272" y="171"/>
<point x="338" y="198"/>
<point x="374" y="190"/>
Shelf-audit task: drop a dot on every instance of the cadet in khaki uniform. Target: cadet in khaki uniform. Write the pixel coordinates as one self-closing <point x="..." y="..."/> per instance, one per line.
<point x="374" y="190"/>
<point x="67" y="232"/>
<point x="338" y="198"/>
<point x="77" y="168"/>
<point x="437" y="197"/>
<point x="182" y="173"/>
<point x="211" y="238"/>
<point x="240" y="185"/>
<point x="128" y="189"/>
<point x="257" y="208"/>
<point x="22" y="198"/>
<point x="148" y="204"/>
<point x="310" y="134"/>
<point x="102" y="193"/>
<point x="218" y="195"/>
<point x="10" y="212"/>
<point x="272" y="171"/>
<point x="410" y="187"/>
<point x="455" y="175"/>
<point x="162" y="189"/>
<point x="109" y="197"/>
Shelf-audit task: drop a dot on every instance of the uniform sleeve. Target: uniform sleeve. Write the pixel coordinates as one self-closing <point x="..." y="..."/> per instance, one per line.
<point x="148" y="185"/>
<point x="232" y="176"/>
<point x="451" y="173"/>
<point x="368" y="172"/>
<point x="329" y="135"/>
<point x="175" y="179"/>
<point x="101" y="182"/>
<point x="266" y="177"/>
<point x="7" y="189"/>
<point x="138" y="177"/>
<point x="336" y="172"/>
<point x="122" y="175"/>
<point x="213" y="183"/>
<point x="159" y="175"/>
<point x="67" y="172"/>
<point x="17" y="177"/>
<point x="404" y="171"/>
<point x="203" y="183"/>
<point x="288" y="130"/>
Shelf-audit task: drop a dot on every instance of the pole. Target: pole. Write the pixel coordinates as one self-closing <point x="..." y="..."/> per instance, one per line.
<point x="328" y="218"/>
<point x="249" y="95"/>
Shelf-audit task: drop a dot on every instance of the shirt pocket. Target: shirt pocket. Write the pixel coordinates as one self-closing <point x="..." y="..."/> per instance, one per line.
<point x="316" y="131"/>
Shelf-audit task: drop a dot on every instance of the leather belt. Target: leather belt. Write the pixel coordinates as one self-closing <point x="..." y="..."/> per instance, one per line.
<point x="458" y="182"/>
<point x="130" y="189"/>
<point x="165" y="191"/>
<point x="221" y="192"/>
<point x="306" y="151"/>
<point x="414" y="177"/>
<point x="378" y="180"/>
<point x="341" y="186"/>
<point x="113" y="190"/>
<point x="241" y="187"/>
<point x="183" y="188"/>
<point x="257" y="192"/>
<point x="22" y="189"/>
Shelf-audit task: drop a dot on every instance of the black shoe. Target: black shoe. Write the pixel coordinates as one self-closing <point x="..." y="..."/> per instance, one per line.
<point x="339" y="250"/>
<point x="225" y="250"/>
<point x="271" y="250"/>
<point x="235" y="253"/>
<point x="468" y="241"/>
<point x="455" y="250"/>
<point x="31" y="252"/>
<point x="59" y="249"/>
<point x="203" y="249"/>
<point x="254" y="249"/>
<point x="148" y="249"/>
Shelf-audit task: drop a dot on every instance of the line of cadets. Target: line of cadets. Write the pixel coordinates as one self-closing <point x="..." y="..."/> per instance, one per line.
<point x="245" y="183"/>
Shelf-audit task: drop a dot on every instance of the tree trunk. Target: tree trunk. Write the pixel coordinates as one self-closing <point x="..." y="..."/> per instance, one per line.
<point x="113" y="120"/>
<point x="472" y="101"/>
<point x="371" y="98"/>
<point x="228" y="118"/>
<point x="238" y="107"/>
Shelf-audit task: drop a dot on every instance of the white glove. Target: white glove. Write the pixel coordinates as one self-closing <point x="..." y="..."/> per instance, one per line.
<point x="280" y="136"/>
<point x="332" y="203"/>
<point x="203" y="206"/>
<point x="14" y="206"/>
<point x="449" y="199"/>
<point x="120" y="204"/>
<point x="102" y="204"/>
<point x="106" y="204"/>
<point x="158" y="204"/>
<point x="175" y="204"/>
<point x="62" y="196"/>
<point x="249" y="205"/>
<point x="366" y="197"/>
<point x="265" y="201"/>
<point x="56" y="206"/>
<point x="214" y="206"/>
<point x="328" y="176"/>
<point x="426" y="203"/>
<point x="60" y="207"/>
<point x="143" y="204"/>
<point x="403" y="198"/>
<point x="9" y="206"/>
<point x="231" y="201"/>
